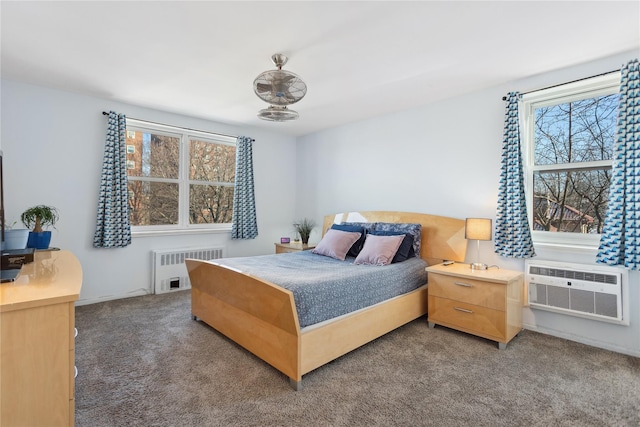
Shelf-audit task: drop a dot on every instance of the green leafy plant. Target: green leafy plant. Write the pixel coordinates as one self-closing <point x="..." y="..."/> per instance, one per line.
<point x="304" y="227"/>
<point x="37" y="217"/>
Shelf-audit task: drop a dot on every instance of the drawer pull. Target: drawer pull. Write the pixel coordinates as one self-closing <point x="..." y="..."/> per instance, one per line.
<point x="464" y="310"/>
<point x="466" y="285"/>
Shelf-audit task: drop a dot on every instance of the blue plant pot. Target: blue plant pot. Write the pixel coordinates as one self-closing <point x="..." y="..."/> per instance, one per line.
<point x="39" y="240"/>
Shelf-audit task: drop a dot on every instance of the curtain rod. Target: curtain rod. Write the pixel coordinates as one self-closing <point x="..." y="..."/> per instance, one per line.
<point x="504" y="98"/>
<point x="104" y="113"/>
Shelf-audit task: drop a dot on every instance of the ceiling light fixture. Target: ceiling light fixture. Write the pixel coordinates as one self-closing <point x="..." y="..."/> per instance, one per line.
<point x="276" y="113"/>
<point x="279" y="88"/>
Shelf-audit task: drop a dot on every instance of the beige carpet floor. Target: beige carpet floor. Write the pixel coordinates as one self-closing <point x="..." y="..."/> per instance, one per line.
<point x="142" y="361"/>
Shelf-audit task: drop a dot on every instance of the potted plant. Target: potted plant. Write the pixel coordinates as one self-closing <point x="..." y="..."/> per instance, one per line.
<point x="35" y="218"/>
<point x="304" y="227"/>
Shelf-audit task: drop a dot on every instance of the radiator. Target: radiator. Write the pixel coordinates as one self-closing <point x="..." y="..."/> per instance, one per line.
<point x="591" y="291"/>
<point x="169" y="270"/>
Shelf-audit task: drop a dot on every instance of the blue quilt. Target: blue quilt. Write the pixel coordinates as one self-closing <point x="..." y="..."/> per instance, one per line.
<point x="324" y="288"/>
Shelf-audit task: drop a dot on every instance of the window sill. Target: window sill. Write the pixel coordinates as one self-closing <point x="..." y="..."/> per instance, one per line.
<point x="190" y="231"/>
<point x="566" y="248"/>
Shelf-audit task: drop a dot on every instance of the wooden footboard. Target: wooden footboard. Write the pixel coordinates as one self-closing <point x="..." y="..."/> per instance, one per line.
<point x="256" y="314"/>
<point x="262" y="318"/>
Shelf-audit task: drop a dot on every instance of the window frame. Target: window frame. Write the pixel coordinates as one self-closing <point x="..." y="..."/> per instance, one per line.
<point x="186" y="135"/>
<point x="602" y="85"/>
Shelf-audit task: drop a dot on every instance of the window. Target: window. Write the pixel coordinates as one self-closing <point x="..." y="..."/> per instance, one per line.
<point x="179" y="178"/>
<point x="569" y="132"/>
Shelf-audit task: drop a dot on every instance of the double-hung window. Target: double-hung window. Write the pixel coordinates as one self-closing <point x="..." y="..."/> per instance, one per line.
<point x="568" y="134"/>
<point x="179" y="179"/>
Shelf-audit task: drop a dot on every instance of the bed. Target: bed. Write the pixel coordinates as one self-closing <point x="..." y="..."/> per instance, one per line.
<point x="262" y="316"/>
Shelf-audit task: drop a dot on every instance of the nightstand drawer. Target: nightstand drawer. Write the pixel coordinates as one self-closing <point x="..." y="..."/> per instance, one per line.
<point x="285" y="248"/>
<point x="281" y="250"/>
<point x="470" y="318"/>
<point x="476" y="292"/>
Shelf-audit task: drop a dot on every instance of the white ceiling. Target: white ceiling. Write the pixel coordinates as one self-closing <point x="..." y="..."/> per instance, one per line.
<point x="359" y="59"/>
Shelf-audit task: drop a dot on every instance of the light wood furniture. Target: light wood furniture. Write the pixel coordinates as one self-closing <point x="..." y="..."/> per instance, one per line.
<point x="37" y="357"/>
<point x="487" y="303"/>
<point x="283" y="248"/>
<point x="261" y="316"/>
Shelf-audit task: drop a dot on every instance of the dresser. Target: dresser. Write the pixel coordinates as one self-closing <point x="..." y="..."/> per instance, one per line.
<point x="37" y="326"/>
<point x="486" y="303"/>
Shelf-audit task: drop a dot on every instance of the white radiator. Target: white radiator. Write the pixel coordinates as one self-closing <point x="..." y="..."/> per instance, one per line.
<point x="169" y="271"/>
<point x="591" y="291"/>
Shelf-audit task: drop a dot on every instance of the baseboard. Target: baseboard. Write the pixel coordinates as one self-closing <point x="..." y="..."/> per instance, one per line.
<point x="138" y="293"/>
<point x="582" y="340"/>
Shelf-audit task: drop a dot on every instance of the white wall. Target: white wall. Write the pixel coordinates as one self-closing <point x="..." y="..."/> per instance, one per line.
<point x="53" y="144"/>
<point x="444" y="158"/>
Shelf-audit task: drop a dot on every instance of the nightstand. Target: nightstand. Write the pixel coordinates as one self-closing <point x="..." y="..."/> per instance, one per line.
<point x="486" y="303"/>
<point x="283" y="248"/>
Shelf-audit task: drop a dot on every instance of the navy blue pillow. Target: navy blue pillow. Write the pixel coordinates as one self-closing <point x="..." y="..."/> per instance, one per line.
<point x="405" y="251"/>
<point x="414" y="230"/>
<point x="357" y="246"/>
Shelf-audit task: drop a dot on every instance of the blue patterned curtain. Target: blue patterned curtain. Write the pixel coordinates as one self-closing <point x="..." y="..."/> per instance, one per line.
<point x="113" y="228"/>
<point x="244" y="203"/>
<point x="513" y="235"/>
<point x="620" y="240"/>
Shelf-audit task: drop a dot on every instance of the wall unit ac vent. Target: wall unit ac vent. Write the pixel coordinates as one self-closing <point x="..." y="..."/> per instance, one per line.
<point x="169" y="271"/>
<point x="595" y="292"/>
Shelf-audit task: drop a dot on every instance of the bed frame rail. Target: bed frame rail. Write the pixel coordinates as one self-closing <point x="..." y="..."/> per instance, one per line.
<point x="359" y="328"/>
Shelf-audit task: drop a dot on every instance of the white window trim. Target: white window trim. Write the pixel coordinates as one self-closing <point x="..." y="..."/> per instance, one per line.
<point x="587" y="88"/>
<point x="185" y="135"/>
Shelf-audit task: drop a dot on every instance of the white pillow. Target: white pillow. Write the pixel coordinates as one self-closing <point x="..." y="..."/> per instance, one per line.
<point x="336" y="243"/>
<point x="379" y="250"/>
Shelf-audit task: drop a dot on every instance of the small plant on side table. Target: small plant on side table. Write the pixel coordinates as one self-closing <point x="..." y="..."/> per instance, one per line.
<point x="304" y="228"/>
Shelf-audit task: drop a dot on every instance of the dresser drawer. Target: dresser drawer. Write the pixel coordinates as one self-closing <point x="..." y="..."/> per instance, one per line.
<point x="476" y="292"/>
<point x="482" y="321"/>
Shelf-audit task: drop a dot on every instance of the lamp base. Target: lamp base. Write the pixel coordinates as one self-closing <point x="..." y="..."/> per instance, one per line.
<point x="479" y="266"/>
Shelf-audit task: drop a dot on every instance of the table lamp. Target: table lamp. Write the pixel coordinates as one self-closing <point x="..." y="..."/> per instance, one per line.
<point x="478" y="229"/>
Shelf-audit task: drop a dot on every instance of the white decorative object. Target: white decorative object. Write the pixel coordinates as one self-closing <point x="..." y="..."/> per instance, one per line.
<point x="16" y="239"/>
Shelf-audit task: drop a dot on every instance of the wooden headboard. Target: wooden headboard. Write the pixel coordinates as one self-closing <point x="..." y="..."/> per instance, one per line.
<point x="442" y="237"/>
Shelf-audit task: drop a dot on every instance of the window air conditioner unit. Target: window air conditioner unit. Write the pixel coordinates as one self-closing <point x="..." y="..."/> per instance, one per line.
<point x="590" y="291"/>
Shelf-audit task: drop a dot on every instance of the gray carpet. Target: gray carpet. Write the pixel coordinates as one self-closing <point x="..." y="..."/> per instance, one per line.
<point x="142" y="361"/>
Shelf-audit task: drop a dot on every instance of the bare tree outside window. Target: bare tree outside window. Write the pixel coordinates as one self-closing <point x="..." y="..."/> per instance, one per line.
<point x="572" y="164"/>
<point x="213" y="167"/>
<point x="156" y="182"/>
